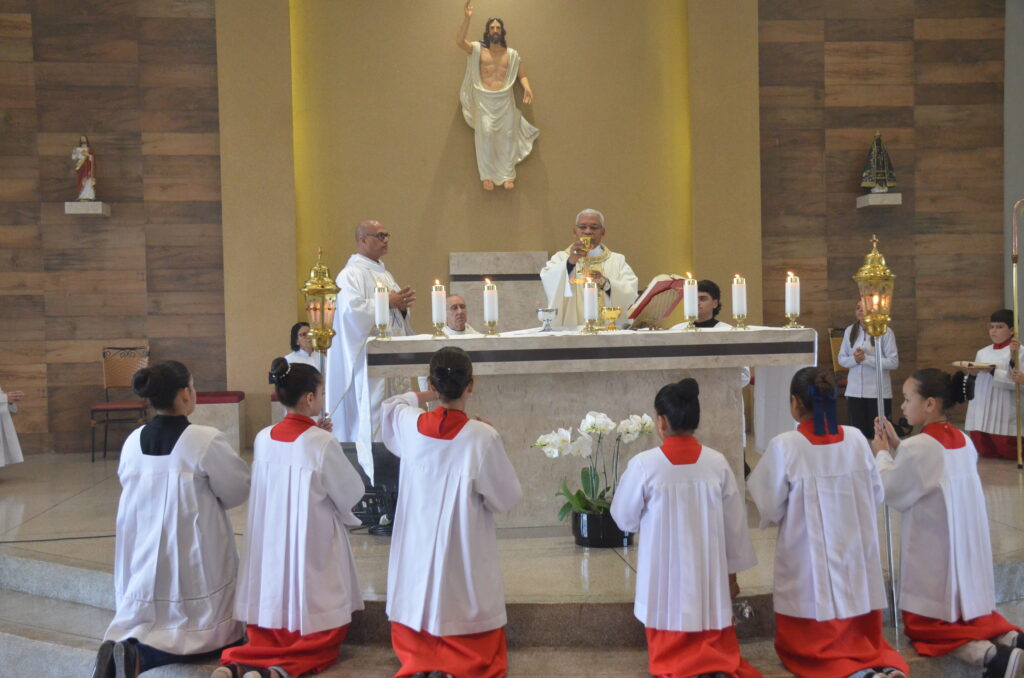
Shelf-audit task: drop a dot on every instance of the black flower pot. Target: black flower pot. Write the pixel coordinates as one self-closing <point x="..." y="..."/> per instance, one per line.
<point x="598" y="530"/>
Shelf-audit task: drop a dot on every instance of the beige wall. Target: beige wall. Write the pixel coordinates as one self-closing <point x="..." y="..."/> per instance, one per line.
<point x="258" y="195"/>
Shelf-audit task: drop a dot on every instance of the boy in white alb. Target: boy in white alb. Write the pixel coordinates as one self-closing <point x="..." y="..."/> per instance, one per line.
<point x="682" y="499"/>
<point x="820" y="484"/>
<point x="947" y="587"/>
<point x="445" y="597"/>
<point x="297" y="586"/>
<point x="991" y="415"/>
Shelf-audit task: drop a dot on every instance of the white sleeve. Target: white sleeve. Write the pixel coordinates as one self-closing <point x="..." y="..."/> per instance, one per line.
<point x="624" y="287"/>
<point x="845" y="356"/>
<point x="341" y="481"/>
<point x="904" y="484"/>
<point x="887" y="347"/>
<point x="392" y="411"/>
<point x="769" y="485"/>
<point x="553" y="276"/>
<point x="1002" y="376"/>
<point x="355" y="303"/>
<point x="629" y="501"/>
<point x="739" y="550"/>
<point x="744" y="376"/>
<point x="496" y="479"/>
<point x="227" y="473"/>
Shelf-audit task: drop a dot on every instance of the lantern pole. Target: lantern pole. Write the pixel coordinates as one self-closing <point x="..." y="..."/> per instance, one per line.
<point x="1014" y="256"/>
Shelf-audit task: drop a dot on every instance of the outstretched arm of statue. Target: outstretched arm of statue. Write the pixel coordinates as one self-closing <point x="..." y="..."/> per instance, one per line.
<point x="527" y="92"/>
<point x="460" y="37"/>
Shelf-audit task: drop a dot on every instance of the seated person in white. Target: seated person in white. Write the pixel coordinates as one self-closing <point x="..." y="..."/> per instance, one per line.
<point x="455" y="322"/>
<point x="683" y="500"/>
<point x="10" y="448"/>
<point x="302" y="347"/>
<point x="608" y="269"/>
<point x="175" y="561"/>
<point x="947" y="586"/>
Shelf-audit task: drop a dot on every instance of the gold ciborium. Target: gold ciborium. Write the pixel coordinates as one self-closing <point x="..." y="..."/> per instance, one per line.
<point x="609" y="314"/>
<point x="583" y="268"/>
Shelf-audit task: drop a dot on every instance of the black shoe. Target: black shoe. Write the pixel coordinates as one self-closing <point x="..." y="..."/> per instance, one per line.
<point x="126" y="659"/>
<point x="1008" y="662"/>
<point x="104" y="660"/>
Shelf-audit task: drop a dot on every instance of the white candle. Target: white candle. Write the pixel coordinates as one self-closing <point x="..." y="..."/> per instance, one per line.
<point x="739" y="297"/>
<point x="690" y="297"/>
<point x="792" y="294"/>
<point x="490" y="301"/>
<point x="589" y="300"/>
<point x="381" y="313"/>
<point x="438" y="300"/>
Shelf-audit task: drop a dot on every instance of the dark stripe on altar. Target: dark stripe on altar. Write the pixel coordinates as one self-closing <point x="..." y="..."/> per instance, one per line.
<point x="606" y="353"/>
<point x="495" y="277"/>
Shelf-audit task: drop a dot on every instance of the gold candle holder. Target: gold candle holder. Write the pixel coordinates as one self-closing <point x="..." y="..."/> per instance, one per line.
<point x="793" y="324"/>
<point x="590" y="327"/>
<point x="740" y="322"/>
<point x="690" y="326"/>
<point x="438" y="331"/>
<point x="492" y="329"/>
<point x="382" y="332"/>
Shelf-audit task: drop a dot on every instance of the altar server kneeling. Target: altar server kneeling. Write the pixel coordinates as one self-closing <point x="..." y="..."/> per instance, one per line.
<point x="820" y="484"/>
<point x="445" y="598"/>
<point x="683" y="500"/>
<point x="175" y="561"/>
<point x="297" y="584"/>
<point x="947" y="587"/>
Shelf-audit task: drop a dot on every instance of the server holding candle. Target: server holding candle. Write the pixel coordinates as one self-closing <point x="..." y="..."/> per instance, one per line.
<point x="858" y="354"/>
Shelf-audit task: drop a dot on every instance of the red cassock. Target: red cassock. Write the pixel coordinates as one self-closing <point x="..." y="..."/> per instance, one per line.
<point x="837" y="647"/>
<point x="295" y="653"/>
<point x="994" y="446"/>
<point x="680" y="654"/>
<point x="935" y="637"/>
<point x="476" y="655"/>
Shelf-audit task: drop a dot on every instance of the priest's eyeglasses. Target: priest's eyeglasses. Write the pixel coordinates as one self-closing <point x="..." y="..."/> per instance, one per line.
<point x="381" y="236"/>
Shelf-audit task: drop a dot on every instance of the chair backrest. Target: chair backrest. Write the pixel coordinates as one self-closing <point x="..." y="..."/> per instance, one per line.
<point x="835" y="341"/>
<point x="120" y="363"/>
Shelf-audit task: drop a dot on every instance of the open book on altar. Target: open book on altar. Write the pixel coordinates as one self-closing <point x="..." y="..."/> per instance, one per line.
<point x="660" y="298"/>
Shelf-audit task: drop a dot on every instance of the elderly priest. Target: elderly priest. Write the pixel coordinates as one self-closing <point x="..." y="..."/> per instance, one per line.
<point x="564" y="273"/>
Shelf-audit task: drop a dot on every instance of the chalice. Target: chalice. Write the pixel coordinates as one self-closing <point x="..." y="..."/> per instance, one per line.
<point x="546" y="315"/>
<point x="610" y="314"/>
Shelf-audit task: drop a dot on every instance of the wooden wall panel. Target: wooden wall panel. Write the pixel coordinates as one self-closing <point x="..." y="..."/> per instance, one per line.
<point x="139" y="77"/>
<point x="929" y="77"/>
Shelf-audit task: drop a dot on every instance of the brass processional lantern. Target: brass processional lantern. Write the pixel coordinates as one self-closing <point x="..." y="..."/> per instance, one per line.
<point x="875" y="282"/>
<point x="321" y="295"/>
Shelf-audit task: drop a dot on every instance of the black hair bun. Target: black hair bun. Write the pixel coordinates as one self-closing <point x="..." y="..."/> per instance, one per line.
<point x="147" y="382"/>
<point x="688" y="388"/>
<point x="278" y="369"/>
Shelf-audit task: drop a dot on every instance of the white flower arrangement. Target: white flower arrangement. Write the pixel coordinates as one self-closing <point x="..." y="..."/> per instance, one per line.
<point x="596" y="493"/>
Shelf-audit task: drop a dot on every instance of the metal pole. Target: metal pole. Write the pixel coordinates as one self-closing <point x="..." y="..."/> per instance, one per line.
<point x="885" y="507"/>
<point x="1014" y="256"/>
<point x="323" y="375"/>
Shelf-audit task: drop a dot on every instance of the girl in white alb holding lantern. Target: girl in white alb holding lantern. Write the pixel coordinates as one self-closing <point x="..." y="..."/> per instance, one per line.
<point x="858" y="354"/>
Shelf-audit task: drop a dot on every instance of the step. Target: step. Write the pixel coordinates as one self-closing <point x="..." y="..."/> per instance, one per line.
<point x="62" y="637"/>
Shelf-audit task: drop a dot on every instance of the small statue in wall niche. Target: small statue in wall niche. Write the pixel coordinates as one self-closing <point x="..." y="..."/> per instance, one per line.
<point x="878" y="173"/>
<point x="85" y="169"/>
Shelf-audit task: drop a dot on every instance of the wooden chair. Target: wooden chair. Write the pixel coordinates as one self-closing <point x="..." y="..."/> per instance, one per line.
<point x="119" y="364"/>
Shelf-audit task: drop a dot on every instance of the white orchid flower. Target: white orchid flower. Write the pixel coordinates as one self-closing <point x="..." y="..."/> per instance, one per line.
<point x="581" y="447"/>
<point x="598" y="423"/>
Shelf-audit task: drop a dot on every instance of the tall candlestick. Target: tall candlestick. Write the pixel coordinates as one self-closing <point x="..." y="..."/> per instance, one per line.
<point x="381" y="313"/>
<point x="792" y="294"/>
<point x="490" y="301"/>
<point x="438" y="301"/>
<point x="739" y="297"/>
<point x="690" y="297"/>
<point x="589" y="300"/>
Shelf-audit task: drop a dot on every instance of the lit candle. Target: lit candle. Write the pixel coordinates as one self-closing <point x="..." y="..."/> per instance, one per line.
<point x="739" y="297"/>
<point x="381" y="312"/>
<point x="490" y="301"/>
<point x="437" y="303"/>
<point x="792" y="294"/>
<point x="589" y="300"/>
<point x="690" y="296"/>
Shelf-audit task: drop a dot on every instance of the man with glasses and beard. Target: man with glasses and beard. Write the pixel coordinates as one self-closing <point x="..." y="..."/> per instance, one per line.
<point x="354" y="398"/>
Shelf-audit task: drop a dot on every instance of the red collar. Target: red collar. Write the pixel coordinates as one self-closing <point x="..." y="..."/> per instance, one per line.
<point x="1003" y="344"/>
<point x="948" y="436"/>
<point x="681" y="450"/>
<point x="442" y="423"/>
<point x="290" y="428"/>
<point x="807" y="429"/>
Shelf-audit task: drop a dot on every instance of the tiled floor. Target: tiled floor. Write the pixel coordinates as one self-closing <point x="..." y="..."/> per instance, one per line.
<point x="63" y="505"/>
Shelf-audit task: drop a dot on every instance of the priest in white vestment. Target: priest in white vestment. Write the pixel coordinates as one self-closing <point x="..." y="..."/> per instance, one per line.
<point x="455" y="322"/>
<point x="503" y="137"/>
<point x="616" y="282"/>
<point x="352" y="397"/>
<point x="10" y="448"/>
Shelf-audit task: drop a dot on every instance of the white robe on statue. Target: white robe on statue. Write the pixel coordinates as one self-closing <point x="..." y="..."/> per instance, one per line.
<point x="443" y="572"/>
<point x="945" y="551"/>
<point x="993" y="409"/>
<point x="297" y="569"/>
<point x="356" y="397"/>
<point x="693" y="532"/>
<point x="175" y="561"/>
<point x="10" y="448"/>
<point x="568" y="297"/>
<point x="503" y="136"/>
<point x="824" y="498"/>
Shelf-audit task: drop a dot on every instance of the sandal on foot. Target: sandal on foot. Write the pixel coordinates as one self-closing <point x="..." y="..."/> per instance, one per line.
<point x="104" y="667"/>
